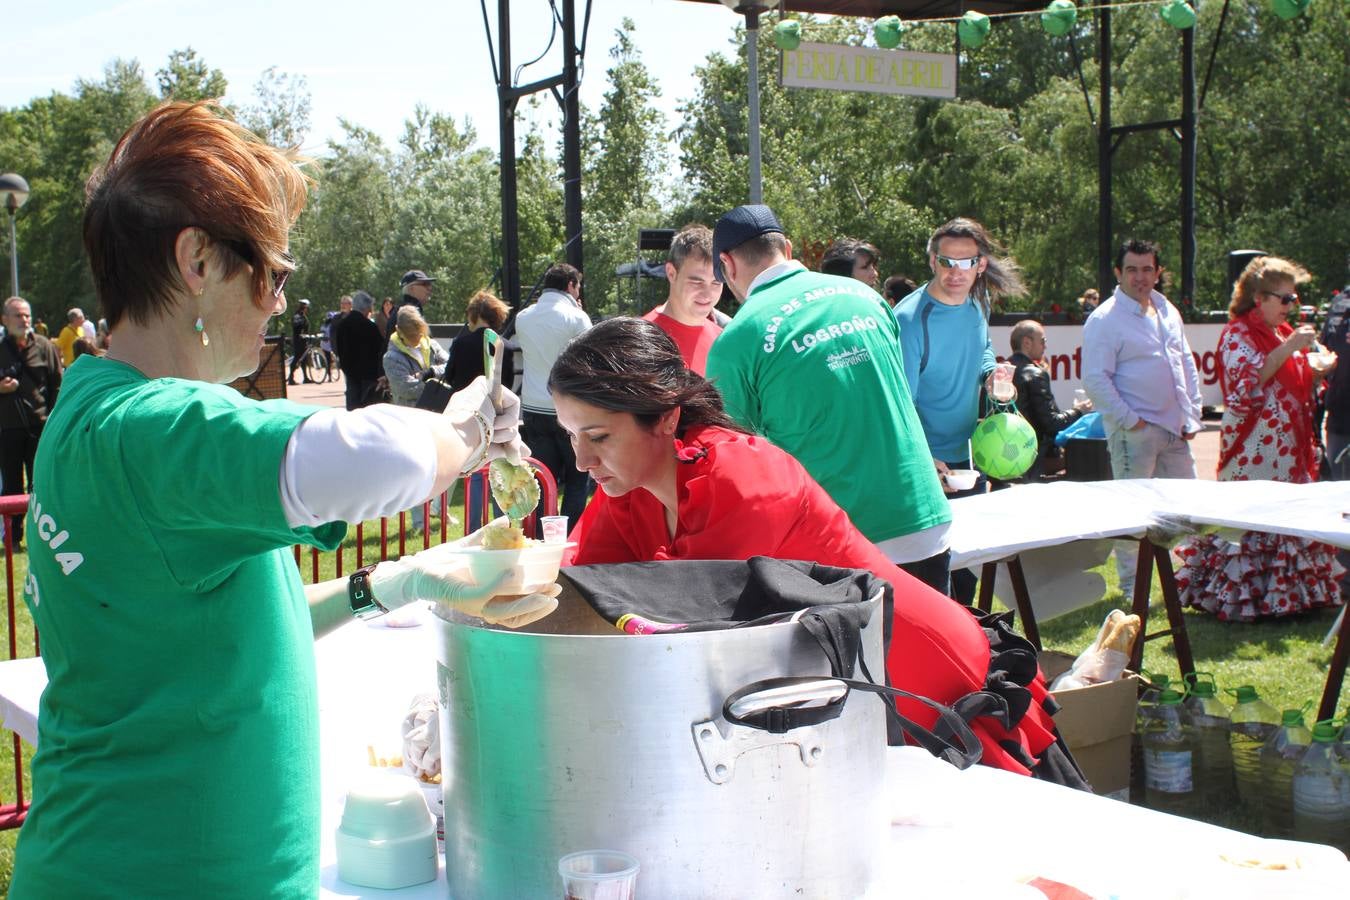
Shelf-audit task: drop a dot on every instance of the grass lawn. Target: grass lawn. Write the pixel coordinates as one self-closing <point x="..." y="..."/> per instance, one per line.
<point x="1284" y="660"/>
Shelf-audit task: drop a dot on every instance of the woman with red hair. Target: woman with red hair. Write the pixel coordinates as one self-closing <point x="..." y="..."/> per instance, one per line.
<point x="1268" y="433"/>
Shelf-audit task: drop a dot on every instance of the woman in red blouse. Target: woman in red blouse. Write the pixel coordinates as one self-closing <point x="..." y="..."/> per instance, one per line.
<point x="679" y="479"/>
<point x="1268" y="433"/>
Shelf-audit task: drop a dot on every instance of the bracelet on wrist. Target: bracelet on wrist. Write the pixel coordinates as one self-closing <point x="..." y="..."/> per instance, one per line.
<point x="479" y="454"/>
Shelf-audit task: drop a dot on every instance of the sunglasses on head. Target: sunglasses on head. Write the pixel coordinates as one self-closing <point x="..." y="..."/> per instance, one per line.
<point x="948" y="263"/>
<point x="279" y="276"/>
<point x="1285" y="299"/>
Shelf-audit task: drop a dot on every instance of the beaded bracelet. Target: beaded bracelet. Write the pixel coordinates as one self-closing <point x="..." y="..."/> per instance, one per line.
<point x="480" y="452"/>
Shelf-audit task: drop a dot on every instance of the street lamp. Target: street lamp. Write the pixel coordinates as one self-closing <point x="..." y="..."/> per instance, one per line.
<point x="14" y="190"/>
<point x="751" y="9"/>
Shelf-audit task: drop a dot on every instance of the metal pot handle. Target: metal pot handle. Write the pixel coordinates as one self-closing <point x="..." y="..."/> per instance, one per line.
<point x="777" y="705"/>
<point x="951" y="737"/>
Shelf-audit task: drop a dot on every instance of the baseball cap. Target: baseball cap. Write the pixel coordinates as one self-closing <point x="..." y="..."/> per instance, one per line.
<point x="738" y="226"/>
<point x="413" y="277"/>
<point x="304" y="303"/>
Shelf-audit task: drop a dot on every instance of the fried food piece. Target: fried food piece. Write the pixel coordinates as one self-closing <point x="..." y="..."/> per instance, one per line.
<point x="503" y="537"/>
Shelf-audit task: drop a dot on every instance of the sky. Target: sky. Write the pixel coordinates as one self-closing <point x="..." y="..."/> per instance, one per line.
<point x="370" y="63"/>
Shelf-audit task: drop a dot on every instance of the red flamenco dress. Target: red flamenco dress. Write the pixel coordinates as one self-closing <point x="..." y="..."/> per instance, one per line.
<point x="740" y="496"/>
<point x="1267" y="434"/>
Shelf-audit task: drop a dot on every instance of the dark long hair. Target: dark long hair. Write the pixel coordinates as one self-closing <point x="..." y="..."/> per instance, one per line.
<point x="629" y="365"/>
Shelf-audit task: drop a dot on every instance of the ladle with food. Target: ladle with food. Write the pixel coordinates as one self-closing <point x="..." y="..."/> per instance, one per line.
<point x="513" y="485"/>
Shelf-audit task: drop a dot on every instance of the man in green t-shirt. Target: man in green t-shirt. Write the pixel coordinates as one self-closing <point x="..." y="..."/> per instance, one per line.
<point x="812" y="362"/>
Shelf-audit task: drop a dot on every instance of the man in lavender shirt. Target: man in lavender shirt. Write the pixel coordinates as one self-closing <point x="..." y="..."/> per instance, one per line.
<point x="1140" y="374"/>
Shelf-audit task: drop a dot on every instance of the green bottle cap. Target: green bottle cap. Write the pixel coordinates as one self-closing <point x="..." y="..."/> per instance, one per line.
<point x="1246" y="694"/>
<point x="1170" y="697"/>
<point x="1204" y="689"/>
<point x="1292" y="718"/>
<point x="1325" y="732"/>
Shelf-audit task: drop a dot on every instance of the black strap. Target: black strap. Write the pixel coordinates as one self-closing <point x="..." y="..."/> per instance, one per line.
<point x="942" y="741"/>
<point x="840" y="639"/>
<point x="779" y="719"/>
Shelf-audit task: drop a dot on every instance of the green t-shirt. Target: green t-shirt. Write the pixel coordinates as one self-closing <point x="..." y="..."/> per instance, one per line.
<point x="812" y="362"/>
<point x="178" y="735"/>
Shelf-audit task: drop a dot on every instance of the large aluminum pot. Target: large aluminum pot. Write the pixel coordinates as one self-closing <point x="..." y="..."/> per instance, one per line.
<point x="558" y="742"/>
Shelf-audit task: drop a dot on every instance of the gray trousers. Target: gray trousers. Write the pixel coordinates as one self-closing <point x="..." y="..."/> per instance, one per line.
<point x="1148" y="452"/>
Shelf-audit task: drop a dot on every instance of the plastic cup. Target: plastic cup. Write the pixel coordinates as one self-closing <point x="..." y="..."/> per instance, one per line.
<point x="1002" y="386"/>
<point x="555" y="529"/>
<point x="598" y="875"/>
<point x="1079" y="396"/>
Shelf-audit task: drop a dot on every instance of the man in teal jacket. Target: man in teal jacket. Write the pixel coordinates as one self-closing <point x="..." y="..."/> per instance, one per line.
<point x="812" y="362"/>
<point x="944" y="338"/>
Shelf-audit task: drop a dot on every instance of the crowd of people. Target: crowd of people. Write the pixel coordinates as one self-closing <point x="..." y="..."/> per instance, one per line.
<point x="821" y="422"/>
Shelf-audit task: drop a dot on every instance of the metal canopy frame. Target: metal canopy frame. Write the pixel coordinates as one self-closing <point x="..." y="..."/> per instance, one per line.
<point x="564" y="88"/>
<point x="1109" y="135"/>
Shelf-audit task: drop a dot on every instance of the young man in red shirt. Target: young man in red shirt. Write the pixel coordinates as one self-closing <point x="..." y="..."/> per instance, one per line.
<point x="688" y="315"/>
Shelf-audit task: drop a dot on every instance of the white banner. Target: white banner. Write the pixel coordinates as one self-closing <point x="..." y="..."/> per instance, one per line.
<point x="840" y="68"/>
<point x="1064" y="356"/>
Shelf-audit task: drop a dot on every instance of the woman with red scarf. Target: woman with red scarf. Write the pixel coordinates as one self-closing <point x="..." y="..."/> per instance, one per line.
<point x="1268" y="433"/>
<point x="678" y="479"/>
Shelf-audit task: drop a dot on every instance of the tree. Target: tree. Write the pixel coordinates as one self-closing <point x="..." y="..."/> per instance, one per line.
<point x="281" y="114"/>
<point x="622" y="160"/>
<point x="341" y="235"/>
<point x="186" y="77"/>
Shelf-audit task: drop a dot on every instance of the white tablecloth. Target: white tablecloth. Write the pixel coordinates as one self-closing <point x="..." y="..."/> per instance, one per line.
<point x="1017" y="827"/>
<point x="993" y="526"/>
<point x="369" y="674"/>
<point x="1062" y="528"/>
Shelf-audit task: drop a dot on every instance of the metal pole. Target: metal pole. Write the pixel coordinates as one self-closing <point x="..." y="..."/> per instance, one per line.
<point x="13" y="256"/>
<point x="1105" y="276"/>
<point x="752" y="56"/>
<point x="1188" y="151"/>
<point x="571" y="137"/>
<point x="507" y="115"/>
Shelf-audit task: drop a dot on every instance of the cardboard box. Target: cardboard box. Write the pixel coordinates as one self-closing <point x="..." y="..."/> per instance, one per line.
<point x="1096" y="722"/>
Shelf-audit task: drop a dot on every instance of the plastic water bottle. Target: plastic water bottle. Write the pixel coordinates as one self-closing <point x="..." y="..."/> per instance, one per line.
<point x="1169" y="752"/>
<point x="1209" y="720"/>
<point x="1322" y="790"/>
<point x="1154" y="685"/>
<point x="1254" y="721"/>
<point x="1279" y="757"/>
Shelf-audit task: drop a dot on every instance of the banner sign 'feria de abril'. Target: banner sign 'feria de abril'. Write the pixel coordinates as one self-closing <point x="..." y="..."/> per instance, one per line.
<point x="841" y="68"/>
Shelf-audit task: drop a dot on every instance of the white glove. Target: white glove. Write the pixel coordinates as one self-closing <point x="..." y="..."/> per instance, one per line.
<point x="502" y="421"/>
<point x="438" y="576"/>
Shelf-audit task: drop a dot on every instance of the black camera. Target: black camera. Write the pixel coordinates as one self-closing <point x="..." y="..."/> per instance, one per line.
<point x="13" y="370"/>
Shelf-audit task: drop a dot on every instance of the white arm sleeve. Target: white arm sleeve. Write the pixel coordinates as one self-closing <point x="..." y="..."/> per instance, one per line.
<point x="352" y="466"/>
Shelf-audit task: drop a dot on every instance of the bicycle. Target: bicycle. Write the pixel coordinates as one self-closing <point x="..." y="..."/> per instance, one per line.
<point x="317" y="362"/>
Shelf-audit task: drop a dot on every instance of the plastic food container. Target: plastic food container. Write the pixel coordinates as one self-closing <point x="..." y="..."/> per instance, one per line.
<point x="962" y="479"/>
<point x="387" y="838"/>
<point x="531" y="567"/>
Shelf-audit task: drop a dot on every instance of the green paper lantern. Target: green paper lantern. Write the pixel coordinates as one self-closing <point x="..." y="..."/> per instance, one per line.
<point x="787" y="34"/>
<point x="1289" y="9"/>
<point x="973" y="29"/>
<point x="887" y="31"/>
<point x="1003" y="446"/>
<point x="1059" y="17"/>
<point x="1178" y="14"/>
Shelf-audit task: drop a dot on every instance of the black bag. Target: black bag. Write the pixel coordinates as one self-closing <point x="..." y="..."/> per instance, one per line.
<point x="435" y="396"/>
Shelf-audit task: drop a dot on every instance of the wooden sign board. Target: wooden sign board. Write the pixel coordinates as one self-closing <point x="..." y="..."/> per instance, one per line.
<point x="841" y="68"/>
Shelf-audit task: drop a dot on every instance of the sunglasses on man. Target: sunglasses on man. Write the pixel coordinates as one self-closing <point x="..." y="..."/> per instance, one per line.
<point x="947" y="262"/>
<point x="1285" y="299"/>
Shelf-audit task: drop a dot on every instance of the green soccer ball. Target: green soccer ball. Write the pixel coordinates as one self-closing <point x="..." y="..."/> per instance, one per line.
<point x="1003" y="446"/>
